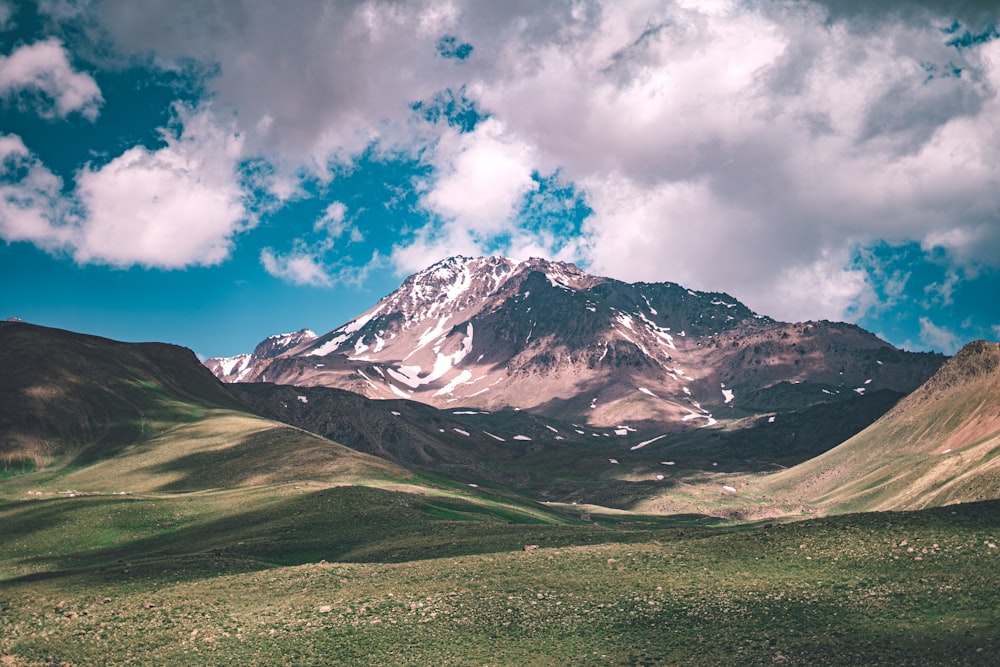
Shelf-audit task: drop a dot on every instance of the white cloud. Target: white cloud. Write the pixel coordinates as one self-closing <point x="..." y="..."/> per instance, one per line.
<point x="745" y="147"/>
<point x="43" y="68"/>
<point x="752" y="148"/>
<point x="176" y="206"/>
<point x="943" y="292"/>
<point x="332" y="220"/>
<point x="938" y="338"/>
<point x="824" y="289"/>
<point x="309" y="262"/>
<point x="312" y="83"/>
<point x="996" y="331"/>
<point x="482" y="177"/>
<point x="300" y="267"/>
<point x="30" y="204"/>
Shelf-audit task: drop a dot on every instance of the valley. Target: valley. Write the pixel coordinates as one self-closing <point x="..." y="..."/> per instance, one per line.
<point x="833" y="500"/>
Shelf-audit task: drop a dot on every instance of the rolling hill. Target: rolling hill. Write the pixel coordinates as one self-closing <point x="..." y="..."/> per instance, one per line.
<point x="102" y="416"/>
<point x="66" y="395"/>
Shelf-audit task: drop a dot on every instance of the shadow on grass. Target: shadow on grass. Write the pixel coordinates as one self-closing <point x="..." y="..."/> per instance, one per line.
<point x="271" y="456"/>
<point x="345" y="524"/>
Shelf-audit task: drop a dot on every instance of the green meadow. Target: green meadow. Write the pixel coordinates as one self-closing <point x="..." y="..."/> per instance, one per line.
<point x="295" y="574"/>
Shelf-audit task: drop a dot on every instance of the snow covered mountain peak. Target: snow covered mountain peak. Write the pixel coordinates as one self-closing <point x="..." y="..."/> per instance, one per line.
<point x="245" y="366"/>
<point x="491" y="332"/>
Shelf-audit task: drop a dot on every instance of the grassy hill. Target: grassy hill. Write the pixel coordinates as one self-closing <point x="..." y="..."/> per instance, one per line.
<point x="939" y="445"/>
<point x="65" y="395"/>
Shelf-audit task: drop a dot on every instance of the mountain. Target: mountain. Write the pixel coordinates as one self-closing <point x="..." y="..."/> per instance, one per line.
<point x="493" y="333"/>
<point x="215" y="531"/>
<point x="939" y="445"/>
<point x="235" y="369"/>
<point x="68" y="393"/>
<point x="100" y="415"/>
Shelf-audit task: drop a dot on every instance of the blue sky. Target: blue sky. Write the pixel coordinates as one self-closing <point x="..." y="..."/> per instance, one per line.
<point x="211" y="174"/>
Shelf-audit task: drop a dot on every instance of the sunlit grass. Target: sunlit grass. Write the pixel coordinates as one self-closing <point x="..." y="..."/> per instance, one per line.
<point x="415" y="589"/>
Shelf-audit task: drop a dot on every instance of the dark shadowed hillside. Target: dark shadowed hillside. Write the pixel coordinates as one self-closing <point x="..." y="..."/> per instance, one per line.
<point x="67" y="393"/>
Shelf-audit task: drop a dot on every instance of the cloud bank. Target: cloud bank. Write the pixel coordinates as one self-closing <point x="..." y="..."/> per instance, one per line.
<point x="756" y="148"/>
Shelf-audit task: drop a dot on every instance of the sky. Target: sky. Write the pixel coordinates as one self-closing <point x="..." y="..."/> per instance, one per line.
<point x="208" y="174"/>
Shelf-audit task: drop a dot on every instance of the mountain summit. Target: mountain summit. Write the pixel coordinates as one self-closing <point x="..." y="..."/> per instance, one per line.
<point x="539" y="335"/>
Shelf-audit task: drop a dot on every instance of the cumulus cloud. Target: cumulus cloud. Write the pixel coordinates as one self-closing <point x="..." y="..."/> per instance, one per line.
<point x="311" y="85"/>
<point x="335" y="225"/>
<point x="173" y="207"/>
<point x="299" y="267"/>
<point x="30" y="205"/>
<point x="482" y="176"/>
<point x="484" y="180"/>
<point x="44" y="71"/>
<point x="176" y="206"/>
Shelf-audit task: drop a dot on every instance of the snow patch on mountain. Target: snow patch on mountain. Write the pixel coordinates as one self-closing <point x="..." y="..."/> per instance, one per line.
<point x="343" y="334"/>
<point x="461" y="378"/>
<point x="648" y="442"/>
<point x="230" y="365"/>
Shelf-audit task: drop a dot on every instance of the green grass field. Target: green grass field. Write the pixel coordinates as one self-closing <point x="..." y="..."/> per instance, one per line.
<point x="362" y="575"/>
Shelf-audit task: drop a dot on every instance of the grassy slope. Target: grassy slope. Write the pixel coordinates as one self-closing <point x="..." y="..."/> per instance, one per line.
<point x="302" y="581"/>
<point x="939" y="445"/>
<point x="65" y="395"/>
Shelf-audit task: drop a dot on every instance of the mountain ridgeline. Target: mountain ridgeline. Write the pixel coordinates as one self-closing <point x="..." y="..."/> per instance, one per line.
<point x="493" y="333"/>
<point x="65" y="393"/>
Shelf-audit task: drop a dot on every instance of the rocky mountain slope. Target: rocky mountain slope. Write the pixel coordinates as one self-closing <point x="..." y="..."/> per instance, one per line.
<point x="552" y="460"/>
<point x="939" y="445"/>
<point x="493" y="333"/>
<point x="235" y="369"/>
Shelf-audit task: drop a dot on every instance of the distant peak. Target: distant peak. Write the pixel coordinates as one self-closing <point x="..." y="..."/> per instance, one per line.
<point x="975" y="361"/>
<point x="301" y="334"/>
